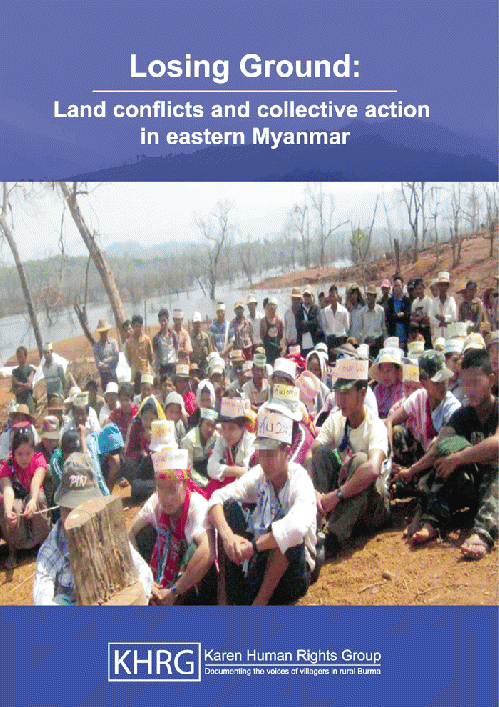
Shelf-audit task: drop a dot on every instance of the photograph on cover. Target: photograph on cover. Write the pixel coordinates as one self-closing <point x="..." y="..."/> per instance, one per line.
<point x="309" y="368"/>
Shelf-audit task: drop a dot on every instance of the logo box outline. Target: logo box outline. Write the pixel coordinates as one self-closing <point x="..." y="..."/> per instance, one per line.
<point x="155" y="643"/>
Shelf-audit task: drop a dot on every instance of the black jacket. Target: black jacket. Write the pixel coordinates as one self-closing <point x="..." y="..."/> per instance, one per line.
<point x="392" y="319"/>
<point x="309" y="322"/>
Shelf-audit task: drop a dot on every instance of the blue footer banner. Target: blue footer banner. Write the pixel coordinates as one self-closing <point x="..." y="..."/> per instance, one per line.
<point x="238" y="657"/>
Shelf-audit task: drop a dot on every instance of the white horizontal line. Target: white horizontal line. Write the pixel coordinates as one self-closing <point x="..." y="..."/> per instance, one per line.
<point x="234" y="91"/>
<point x="291" y="665"/>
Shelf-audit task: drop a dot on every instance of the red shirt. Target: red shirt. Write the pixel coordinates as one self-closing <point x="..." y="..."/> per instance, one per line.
<point x="119" y="418"/>
<point x="24" y="476"/>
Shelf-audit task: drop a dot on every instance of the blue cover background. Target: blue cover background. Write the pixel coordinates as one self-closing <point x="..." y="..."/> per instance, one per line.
<point x="442" y="53"/>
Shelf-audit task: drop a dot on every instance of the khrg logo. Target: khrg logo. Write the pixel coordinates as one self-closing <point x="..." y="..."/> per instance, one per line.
<point x="154" y="662"/>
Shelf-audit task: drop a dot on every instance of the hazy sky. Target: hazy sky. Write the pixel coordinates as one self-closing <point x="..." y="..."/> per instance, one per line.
<point x="157" y="212"/>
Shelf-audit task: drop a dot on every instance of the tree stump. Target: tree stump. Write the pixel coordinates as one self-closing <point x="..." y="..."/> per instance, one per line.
<point x="99" y="554"/>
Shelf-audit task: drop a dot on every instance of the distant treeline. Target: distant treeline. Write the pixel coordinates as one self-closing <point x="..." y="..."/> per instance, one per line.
<point x="55" y="282"/>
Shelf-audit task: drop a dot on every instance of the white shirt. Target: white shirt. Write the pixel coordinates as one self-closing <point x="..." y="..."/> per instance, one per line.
<point x="255" y="323"/>
<point x="448" y="310"/>
<point x="290" y="333"/>
<point x="372" y="322"/>
<point x="335" y="324"/>
<point x="217" y="463"/>
<point x="295" y="502"/>
<point x="197" y="515"/>
<point x="92" y="423"/>
<point x="371" y="434"/>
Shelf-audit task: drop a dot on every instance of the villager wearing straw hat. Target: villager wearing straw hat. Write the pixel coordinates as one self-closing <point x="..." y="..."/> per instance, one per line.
<point x="443" y="310"/>
<point x="106" y="354"/>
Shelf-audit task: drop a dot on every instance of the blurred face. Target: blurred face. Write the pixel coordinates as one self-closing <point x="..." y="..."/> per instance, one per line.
<point x="371" y="299"/>
<point x="220" y="316"/>
<point x="258" y="375"/>
<point x="24" y="454"/>
<point x="163" y="323"/>
<point x="385" y="291"/>
<point x="49" y="444"/>
<point x="171" y="494"/>
<point x="470" y="292"/>
<point x="103" y="335"/>
<point x="177" y="323"/>
<point x="397" y="288"/>
<point x="173" y="412"/>
<point x="436" y="391"/>
<point x="111" y="400"/>
<point x="145" y="390"/>
<point x="22" y="357"/>
<point x="442" y="289"/>
<point x="48" y="357"/>
<point x="232" y="433"/>
<point x="217" y="380"/>
<point x="167" y="387"/>
<point x="419" y="290"/>
<point x="476" y="385"/>
<point x="389" y="374"/>
<point x="137" y="329"/>
<point x="196" y="327"/>
<point x="273" y="461"/>
<point x="434" y="290"/>
<point x="252" y="309"/>
<point x="206" y="429"/>
<point x="354" y="296"/>
<point x="79" y="416"/>
<point x="333" y="297"/>
<point x="452" y="362"/>
<point x="205" y="398"/>
<point x="125" y="402"/>
<point x="350" y="401"/>
<point x="271" y="308"/>
<point x="182" y="385"/>
<point x="307" y="298"/>
<point x="239" y="312"/>
<point x="314" y="366"/>
<point x="147" y="417"/>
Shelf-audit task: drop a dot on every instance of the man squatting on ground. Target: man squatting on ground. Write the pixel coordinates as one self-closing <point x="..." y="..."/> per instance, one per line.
<point x="271" y="553"/>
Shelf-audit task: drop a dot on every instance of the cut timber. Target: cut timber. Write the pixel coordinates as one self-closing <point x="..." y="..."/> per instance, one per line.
<point x="99" y="553"/>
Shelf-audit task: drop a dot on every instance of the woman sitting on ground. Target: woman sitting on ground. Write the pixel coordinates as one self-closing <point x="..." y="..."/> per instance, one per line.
<point x="22" y="477"/>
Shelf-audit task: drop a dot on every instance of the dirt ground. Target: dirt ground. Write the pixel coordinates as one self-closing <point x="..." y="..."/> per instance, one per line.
<point x="372" y="570"/>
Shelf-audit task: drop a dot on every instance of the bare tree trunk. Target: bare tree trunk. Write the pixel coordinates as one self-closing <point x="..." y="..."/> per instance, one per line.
<point x="100" y="262"/>
<point x="24" y="284"/>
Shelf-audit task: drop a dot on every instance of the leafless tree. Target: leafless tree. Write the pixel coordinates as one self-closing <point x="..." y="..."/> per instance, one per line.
<point x="323" y="207"/>
<point x="492" y="207"/>
<point x="414" y="197"/>
<point x="299" y="221"/>
<point x="361" y="245"/>
<point x="70" y="195"/>
<point x="217" y="231"/>
<point x="9" y="237"/>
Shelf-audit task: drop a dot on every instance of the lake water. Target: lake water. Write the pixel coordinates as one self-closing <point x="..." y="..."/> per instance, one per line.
<point x="16" y="330"/>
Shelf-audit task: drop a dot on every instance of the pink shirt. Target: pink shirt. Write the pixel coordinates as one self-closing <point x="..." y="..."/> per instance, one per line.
<point x="24" y="476"/>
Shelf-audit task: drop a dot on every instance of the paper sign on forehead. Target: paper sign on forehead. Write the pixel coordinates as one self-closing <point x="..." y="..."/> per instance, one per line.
<point x="232" y="407"/>
<point x="410" y="373"/>
<point x="457" y="330"/>
<point x="309" y="384"/>
<point x="271" y="425"/>
<point x="168" y="459"/>
<point x="352" y="369"/>
<point x="286" y="392"/>
<point x="209" y="414"/>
